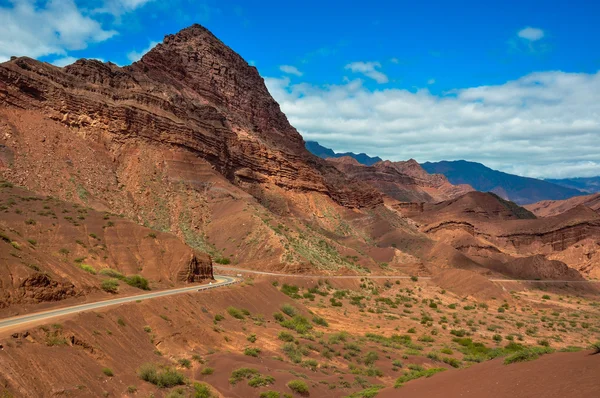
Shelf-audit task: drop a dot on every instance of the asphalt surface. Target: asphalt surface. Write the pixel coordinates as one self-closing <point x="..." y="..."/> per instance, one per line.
<point x="40" y="316"/>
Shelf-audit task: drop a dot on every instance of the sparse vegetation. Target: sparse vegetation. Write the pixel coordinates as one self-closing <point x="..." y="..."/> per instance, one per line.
<point x="298" y="386"/>
<point x="110" y="285"/>
<point x="161" y="376"/>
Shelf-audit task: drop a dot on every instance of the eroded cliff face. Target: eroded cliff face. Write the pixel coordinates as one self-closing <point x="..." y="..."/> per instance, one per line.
<point x="192" y="92"/>
<point x="402" y="181"/>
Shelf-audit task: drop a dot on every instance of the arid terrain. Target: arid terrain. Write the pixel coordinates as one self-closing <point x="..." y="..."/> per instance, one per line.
<point x="180" y="167"/>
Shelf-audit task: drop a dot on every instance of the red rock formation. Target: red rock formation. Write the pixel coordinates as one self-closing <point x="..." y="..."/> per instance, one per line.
<point x="403" y="181"/>
<point x="548" y="208"/>
<point x="191" y="91"/>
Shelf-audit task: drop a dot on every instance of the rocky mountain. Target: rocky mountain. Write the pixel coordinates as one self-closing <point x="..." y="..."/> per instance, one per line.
<point x="521" y="190"/>
<point x="318" y="150"/>
<point x="548" y="208"/>
<point x="584" y="184"/>
<point x="402" y="181"/>
<point x="188" y="141"/>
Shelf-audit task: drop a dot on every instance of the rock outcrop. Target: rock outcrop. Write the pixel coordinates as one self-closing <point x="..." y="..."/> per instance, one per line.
<point x="403" y="181"/>
<point x="190" y="91"/>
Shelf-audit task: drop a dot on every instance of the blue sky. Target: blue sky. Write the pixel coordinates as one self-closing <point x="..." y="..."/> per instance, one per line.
<point x="375" y="66"/>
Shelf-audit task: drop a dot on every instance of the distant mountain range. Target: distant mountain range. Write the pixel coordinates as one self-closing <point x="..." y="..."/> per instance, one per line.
<point x="316" y="149"/>
<point x="589" y="184"/>
<point x="521" y="190"/>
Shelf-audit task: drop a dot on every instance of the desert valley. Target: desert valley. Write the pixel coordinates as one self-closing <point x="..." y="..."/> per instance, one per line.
<point x="321" y="276"/>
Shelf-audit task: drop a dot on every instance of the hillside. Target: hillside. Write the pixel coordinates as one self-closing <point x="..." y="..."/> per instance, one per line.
<point x="402" y="181"/>
<point x="547" y="208"/>
<point x="52" y="251"/>
<point x="521" y="190"/>
<point x="318" y="150"/>
<point x="584" y="184"/>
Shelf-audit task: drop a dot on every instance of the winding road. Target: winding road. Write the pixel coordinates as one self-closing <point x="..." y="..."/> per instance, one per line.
<point x="222" y="280"/>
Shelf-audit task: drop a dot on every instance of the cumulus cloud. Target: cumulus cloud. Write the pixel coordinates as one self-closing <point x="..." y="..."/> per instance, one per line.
<point x="64" y="61"/>
<point x="431" y="81"/>
<point x="120" y="7"/>
<point x="544" y="124"/>
<point x="290" y="70"/>
<point x="531" y="34"/>
<point x="368" y="69"/>
<point x="36" y="29"/>
<point x="134" y="56"/>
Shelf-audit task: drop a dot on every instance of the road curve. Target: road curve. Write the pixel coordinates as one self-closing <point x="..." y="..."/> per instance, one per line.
<point x="249" y="271"/>
<point x="41" y="316"/>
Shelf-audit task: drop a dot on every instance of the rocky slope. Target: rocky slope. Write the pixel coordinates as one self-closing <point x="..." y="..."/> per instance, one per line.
<point x="496" y="233"/>
<point x="52" y="250"/>
<point x="548" y="208"/>
<point x="403" y="181"/>
<point x="187" y="140"/>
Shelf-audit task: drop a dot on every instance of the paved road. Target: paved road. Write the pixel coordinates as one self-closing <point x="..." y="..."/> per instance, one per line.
<point x="40" y="316"/>
<point x="248" y="271"/>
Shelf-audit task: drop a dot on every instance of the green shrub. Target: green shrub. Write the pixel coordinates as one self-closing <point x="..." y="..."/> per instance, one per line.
<point x="320" y="321"/>
<point x="595" y="347"/>
<point x="298" y="323"/>
<point x="416" y="374"/>
<point x="32" y="242"/>
<point x="163" y="377"/>
<point x="207" y="371"/>
<point x="455" y="363"/>
<point x="108" y="372"/>
<point x="270" y="394"/>
<point x="184" y="363"/>
<point x="30" y="221"/>
<point x="290" y="290"/>
<point x="235" y="312"/>
<point x="88" y="268"/>
<point x="111" y="273"/>
<point x="414" y="278"/>
<point x="426" y="339"/>
<point x="137" y="281"/>
<point x="289" y="310"/>
<point x="219" y="317"/>
<point x="202" y="390"/>
<point x="370" y="358"/>
<point x="546" y="297"/>
<point x="241" y="374"/>
<point x="251" y="338"/>
<point x="285" y="336"/>
<point x="252" y="351"/>
<point x="527" y="354"/>
<point x="110" y="285"/>
<point x="15" y="245"/>
<point x="261" y="381"/>
<point x="298" y="386"/>
<point x="278" y="317"/>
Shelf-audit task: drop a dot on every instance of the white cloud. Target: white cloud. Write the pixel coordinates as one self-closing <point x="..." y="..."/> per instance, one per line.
<point x="36" y="29"/>
<point x="291" y="70"/>
<point x="64" y="61"/>
<point x="120" y="7"/>
<point x="544" y="124"/>
<point x="368" y="69"/>
<point x="395" y="60"/>
<point x="431" y="81"/>
<point x="531" y="34"/>
<point x="134" y="56"/>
